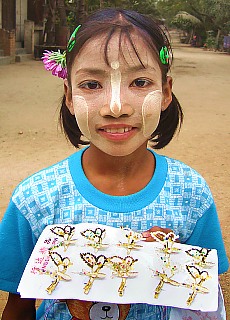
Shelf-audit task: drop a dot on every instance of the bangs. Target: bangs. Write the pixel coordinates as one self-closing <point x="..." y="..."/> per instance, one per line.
<point x="126" y="27"/>
<point x="125" y="33"/>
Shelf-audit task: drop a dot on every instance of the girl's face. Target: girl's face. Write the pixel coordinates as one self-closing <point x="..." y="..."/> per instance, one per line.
<point x="117" y="106"/>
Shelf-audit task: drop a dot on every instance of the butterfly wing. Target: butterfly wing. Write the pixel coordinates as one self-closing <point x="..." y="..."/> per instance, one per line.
<point x="195" y="253"/>
<point x="56" y="258"/>
<point x="58" y="231"/>
<point x="89" y="259"/>
<point x="88" y="234"/>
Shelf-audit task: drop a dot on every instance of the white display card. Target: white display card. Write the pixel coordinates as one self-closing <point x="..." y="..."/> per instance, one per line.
<point x="59" y="268"/>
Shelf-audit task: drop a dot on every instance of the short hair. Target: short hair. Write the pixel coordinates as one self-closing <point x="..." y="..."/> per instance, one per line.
<point x="107" y="22"/>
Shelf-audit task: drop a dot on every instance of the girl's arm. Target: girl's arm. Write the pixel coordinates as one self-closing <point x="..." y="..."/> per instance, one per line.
<point x="17" y="308"/>
<point x="147" y="236"/>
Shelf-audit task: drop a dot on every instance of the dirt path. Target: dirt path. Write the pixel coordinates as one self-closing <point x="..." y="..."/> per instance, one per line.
<point x="29" y="139"/>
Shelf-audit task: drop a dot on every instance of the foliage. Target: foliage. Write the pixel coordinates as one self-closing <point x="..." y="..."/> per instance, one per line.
<point x="214" y="14"/>
<point x="147" y="7"/>
<point x="169" y="8"/>
<point x="210" y="42"/>
<point x="185" y="21"/>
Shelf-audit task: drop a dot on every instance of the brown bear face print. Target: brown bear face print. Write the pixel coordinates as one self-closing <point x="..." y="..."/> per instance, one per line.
<point x="87" y="310"/>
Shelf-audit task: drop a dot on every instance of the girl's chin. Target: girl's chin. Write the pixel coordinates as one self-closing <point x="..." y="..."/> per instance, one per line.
<point x="118" y="150"/>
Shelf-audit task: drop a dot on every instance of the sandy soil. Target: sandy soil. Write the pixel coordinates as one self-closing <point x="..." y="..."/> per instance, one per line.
<point x="30" y="140"/>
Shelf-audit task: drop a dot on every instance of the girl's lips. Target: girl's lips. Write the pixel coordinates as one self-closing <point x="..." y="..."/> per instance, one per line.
<point x="117" y="132"/>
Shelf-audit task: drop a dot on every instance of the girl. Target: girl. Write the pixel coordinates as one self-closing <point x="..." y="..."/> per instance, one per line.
<point x="118" y="95"/>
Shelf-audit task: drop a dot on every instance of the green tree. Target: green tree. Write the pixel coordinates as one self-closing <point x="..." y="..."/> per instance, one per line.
<point x="214" y="14"/>
<point x="79" y="9"/>
<point x="168" y="9"/>
<point x="73" y="12"/>
<point x="146" y="6"/>
<point x="189" y="24"/>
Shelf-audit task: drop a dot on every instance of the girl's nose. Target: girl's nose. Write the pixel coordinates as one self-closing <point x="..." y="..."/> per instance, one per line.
<point x="116" y="110"/>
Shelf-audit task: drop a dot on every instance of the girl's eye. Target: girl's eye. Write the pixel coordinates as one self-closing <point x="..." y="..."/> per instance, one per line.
<point x="91" y="85"/>
<point x="141" y="83"/>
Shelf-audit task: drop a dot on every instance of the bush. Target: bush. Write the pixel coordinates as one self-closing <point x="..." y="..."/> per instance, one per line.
<point x="210" y="42"/>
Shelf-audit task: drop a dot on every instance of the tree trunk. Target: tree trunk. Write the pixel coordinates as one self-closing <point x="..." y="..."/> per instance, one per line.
<point x="217" y="39"/>
<point x="49" y="36"/>
<point x="62" y="12"/>
<point x="81" y="11"/>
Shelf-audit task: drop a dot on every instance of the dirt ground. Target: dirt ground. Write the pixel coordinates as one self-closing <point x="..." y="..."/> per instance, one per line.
<point x="30" y="140"/>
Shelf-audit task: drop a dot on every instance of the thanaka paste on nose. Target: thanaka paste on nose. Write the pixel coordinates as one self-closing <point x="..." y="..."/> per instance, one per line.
<point x="115" y="103"/>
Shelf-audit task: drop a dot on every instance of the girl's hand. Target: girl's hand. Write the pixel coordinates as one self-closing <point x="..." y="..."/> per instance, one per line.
<point x="17" y="308"/>
<point x="149" y="238"/>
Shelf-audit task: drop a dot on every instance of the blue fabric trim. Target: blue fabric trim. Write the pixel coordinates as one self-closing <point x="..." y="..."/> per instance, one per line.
<point x="110" y="203"/>
<point x="207" y="234"/>
<point x="40" y="311"/>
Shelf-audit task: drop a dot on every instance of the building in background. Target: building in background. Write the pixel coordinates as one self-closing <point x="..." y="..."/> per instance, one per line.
<point x="21" y="27"/>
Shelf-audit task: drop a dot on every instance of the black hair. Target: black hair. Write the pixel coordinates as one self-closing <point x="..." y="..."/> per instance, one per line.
<point x="106" y="22"/>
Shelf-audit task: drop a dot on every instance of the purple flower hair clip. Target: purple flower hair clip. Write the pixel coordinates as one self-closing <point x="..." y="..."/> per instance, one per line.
<point x="55" y="61"/>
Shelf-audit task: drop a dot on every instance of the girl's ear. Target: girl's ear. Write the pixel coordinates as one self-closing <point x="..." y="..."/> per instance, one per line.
<point x="167" y="93"/>
<point x="68" y="97"/>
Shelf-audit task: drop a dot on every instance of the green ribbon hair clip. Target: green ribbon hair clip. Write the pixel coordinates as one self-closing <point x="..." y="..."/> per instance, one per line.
<point x="72" y="40"/>
<point x="164" y="55"/>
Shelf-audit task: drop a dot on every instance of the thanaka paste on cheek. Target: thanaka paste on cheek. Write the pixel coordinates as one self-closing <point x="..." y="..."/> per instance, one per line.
<point x="151" y="111"/>
<point x="115" y="103"/>
<point x="81" y="112"/>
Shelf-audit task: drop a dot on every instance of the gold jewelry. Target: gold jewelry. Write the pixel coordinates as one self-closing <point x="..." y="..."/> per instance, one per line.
<point x="95" y="264"/>
<point x="96" y="238"/>
<point x="122" y="269"/>
<point x="132" y="239"/>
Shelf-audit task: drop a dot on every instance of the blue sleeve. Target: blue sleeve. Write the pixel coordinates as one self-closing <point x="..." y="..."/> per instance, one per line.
<point x="207" y="234"/>
<point x="16" y="245"/>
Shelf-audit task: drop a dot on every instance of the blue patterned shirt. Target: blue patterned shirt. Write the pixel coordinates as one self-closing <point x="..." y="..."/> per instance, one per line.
<point x="177" y="197"/>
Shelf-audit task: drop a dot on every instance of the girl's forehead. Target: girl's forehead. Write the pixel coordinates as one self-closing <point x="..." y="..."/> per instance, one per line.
<point x="119" y="48"/>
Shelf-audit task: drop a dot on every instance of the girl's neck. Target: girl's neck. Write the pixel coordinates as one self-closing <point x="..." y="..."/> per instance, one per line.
<point x="118" y="175"/>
